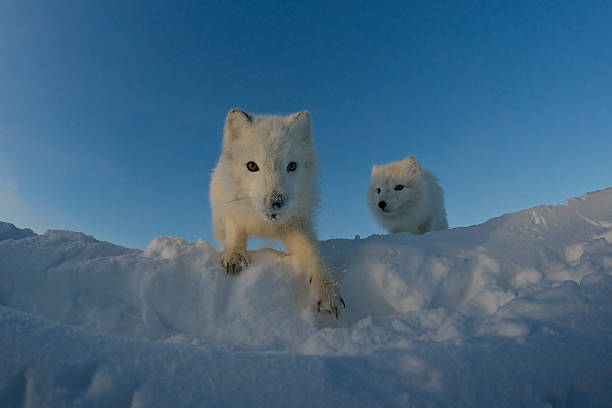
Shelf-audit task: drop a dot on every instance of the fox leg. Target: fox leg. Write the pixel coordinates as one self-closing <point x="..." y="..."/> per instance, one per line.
<point x="301" y="245"/>
<point x="233" y="242"/>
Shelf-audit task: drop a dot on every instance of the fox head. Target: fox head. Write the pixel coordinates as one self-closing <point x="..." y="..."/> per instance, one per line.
<point x="395" y="187"/>
<point x="271" y="161"/>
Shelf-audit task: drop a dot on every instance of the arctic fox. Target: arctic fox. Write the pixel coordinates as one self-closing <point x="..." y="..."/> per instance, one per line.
<point x="264" y="186"/>
<point x="404" y="197"/>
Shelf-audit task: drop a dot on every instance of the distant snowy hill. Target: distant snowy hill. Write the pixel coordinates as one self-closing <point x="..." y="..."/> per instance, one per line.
<point x="513" y="312"/>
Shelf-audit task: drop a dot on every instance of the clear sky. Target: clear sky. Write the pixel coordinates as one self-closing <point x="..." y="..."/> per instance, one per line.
<point x="111" y="112"/>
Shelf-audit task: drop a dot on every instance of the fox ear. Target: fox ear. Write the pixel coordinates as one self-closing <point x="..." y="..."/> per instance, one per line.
<point x="412" y="164"/>
<point x="301" y="124"/>
<point x="302" y="116"/>
<point x="238" y="115"/>
<point x="236" y="119"/>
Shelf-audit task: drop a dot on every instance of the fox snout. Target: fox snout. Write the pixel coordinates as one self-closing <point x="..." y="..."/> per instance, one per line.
<point x="275" y="205"/>
<point x="276" y="201"/>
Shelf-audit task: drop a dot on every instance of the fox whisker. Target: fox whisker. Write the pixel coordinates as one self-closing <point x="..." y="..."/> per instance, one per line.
<point x="234" y="200"/>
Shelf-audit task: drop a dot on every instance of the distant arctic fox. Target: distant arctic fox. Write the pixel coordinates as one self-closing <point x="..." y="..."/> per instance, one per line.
<point x="404" y="197"/>
<point x="265" y="186"/>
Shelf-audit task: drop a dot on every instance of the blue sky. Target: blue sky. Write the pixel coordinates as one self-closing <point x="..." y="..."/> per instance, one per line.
<point x="111" y="113"/>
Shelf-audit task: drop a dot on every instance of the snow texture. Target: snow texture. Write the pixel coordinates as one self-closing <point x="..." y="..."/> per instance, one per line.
<point x="9" y="231"/>
<point x="514" y="312"/>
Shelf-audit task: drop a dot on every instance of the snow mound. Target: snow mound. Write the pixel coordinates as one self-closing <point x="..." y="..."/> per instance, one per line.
<point x="9" y="231"/>
<point x="515" y="311"/>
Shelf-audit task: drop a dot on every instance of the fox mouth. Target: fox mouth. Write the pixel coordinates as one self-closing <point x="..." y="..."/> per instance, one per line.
<point x="277" y="210"/>
<point x="273" y="217"/>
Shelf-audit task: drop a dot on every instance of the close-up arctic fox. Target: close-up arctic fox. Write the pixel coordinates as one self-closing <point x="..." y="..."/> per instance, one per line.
<point x="264" y="185"/>
<point x="404" y="197"/>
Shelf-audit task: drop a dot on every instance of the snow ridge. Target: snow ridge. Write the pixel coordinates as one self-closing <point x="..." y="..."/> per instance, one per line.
<point x="9" y="231"/>
<point x="512" y="312"/>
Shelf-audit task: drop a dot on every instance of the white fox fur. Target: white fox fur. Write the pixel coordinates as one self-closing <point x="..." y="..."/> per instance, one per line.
<point x="265" y="186"/>
<point x="404" y="197"/>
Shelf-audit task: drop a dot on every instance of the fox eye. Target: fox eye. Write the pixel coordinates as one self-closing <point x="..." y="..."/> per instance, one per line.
<point x="292" y="166"/>
<point x="252" y="166"/>
<point x="399" y="187"/>
<point x="378" y="191"/>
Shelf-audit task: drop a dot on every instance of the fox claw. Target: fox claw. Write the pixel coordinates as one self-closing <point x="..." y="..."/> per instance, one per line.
<point x="234" y="261"/>
<point x="332" y="312"/>
<point x="329" y="306"/>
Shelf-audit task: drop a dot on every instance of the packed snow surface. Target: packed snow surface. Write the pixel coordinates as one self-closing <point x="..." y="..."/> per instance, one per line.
<point x="514" y="312"/>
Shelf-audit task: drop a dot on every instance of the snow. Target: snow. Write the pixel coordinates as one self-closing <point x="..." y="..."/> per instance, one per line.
<point x="513" y="312"/>
<point x="9" y="231"/>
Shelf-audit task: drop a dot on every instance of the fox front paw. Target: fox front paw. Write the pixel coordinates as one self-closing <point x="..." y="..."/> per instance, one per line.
<point x="234" y="261"/>
<point x="327" y="299"/>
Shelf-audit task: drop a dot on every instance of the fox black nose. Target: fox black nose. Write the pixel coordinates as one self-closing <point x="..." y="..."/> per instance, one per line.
<point x="382" y="204"/>
<point x="277" y="201"/>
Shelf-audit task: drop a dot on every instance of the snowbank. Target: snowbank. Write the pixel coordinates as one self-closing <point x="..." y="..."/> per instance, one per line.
<point x="514" y="312"/>
<point x="9" y="231"/>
